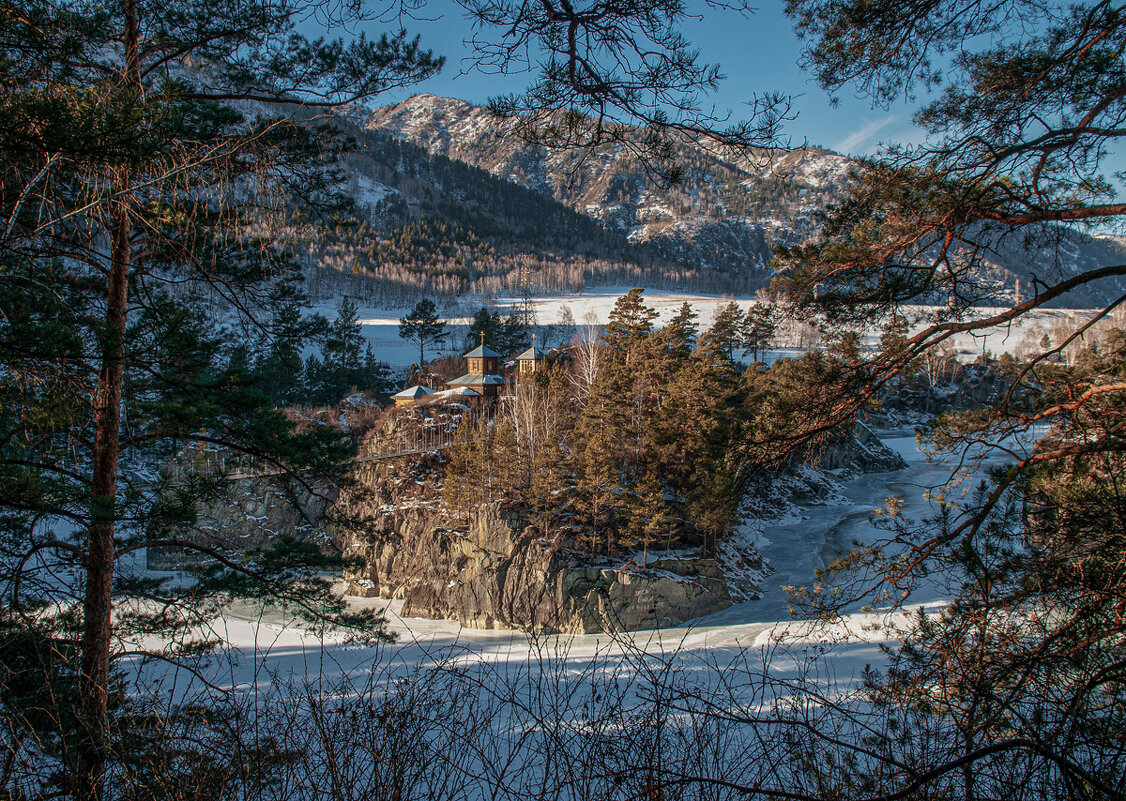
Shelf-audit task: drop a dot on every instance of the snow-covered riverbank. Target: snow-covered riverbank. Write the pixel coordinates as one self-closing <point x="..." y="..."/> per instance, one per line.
<point x="446" y="712"/>
<point x="262" y="644"/>
<point x="380" y="326"/>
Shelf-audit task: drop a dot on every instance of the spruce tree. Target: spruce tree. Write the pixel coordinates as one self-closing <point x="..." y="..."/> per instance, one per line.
<point x="280" y="367"/>
<point x="347" y="362"/>
<point x="483" y="327"/>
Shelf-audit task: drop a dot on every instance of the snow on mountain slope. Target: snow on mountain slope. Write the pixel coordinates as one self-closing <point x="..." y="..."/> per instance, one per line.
<point x="726" y="214"/>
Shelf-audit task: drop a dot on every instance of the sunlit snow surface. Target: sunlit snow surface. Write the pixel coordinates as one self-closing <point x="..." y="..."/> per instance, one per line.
<point x="381" y="325"/>
<point x="460" y="713"/>
<point x="263" y="649"/>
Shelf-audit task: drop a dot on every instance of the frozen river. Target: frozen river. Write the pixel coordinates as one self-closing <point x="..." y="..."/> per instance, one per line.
<point x="495" y="714"/>
<point x="794" y="547"/>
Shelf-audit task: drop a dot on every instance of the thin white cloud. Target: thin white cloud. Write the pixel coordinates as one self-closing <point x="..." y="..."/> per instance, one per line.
<point x="865" y="135"/>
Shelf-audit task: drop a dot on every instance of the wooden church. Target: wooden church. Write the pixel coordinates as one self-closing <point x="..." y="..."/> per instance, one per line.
<point x="482" y="372"/>
<point x="530" y="360"/>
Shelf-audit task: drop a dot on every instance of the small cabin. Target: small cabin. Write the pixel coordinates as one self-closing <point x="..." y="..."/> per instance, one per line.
<point x="411" y="395"/>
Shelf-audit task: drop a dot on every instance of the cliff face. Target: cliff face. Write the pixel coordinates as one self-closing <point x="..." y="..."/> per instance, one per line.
<point x="497" y="574"/>
<point x="863" y="452"/>
<point x="250" y="514"/>
<point x="492" y="570"/>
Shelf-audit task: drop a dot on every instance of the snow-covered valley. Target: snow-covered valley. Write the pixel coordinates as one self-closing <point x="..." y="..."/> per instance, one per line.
<point x="380" y="325"/>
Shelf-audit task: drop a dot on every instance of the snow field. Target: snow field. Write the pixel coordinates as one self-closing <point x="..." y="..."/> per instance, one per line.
<point x="447" y="712"/>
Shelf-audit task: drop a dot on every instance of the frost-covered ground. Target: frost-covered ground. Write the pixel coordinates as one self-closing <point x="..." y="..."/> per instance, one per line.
<point x="448" y="712"/>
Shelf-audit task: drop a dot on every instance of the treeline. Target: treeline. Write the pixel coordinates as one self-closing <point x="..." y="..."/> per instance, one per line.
<point x="640" y="437"/>
<point x="340" y="362"/>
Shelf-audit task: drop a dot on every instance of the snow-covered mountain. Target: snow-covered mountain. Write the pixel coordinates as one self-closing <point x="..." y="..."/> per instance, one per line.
<point x="719" y="224"/>
<point x="725" y="215"/>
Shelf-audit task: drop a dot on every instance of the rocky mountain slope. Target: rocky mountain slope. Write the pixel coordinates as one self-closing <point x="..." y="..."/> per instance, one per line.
<point x="725" y="215"/>
<point x="714" y="231"/>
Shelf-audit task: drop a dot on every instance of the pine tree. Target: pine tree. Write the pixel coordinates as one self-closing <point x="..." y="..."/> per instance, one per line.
<point x="726" y="334"/>
<point x="630" y="321"/>
<point x="758" y="328"/>
<point x="598" y="499"/>
<point x="682" y="330"/>
<point x="424" y="326"/>
<point x="126" y="176"/>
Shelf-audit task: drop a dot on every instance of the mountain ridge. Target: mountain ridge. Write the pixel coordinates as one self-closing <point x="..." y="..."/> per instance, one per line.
<point x="451" y="201"/>
<point x="726" y="214"/>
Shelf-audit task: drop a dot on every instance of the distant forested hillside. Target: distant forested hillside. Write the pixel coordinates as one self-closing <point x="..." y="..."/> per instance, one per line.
<point x="448" y="201"/>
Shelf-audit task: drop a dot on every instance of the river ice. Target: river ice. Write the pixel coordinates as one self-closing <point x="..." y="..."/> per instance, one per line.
<point x="264" y="647"/>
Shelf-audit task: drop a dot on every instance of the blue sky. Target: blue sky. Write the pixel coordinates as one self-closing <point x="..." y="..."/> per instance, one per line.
<point x="758" y="53"/>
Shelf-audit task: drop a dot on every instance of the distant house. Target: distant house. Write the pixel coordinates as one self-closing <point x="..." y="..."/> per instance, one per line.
<point x="482" y="375"/>
<point x="411" y="395"/>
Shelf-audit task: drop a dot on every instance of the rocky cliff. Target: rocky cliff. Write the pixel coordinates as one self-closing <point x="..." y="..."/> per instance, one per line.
<point x="492" y="571"/>
<point x="247" y="515"/>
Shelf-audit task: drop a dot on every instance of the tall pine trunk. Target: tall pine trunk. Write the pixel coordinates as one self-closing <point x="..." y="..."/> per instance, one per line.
<point x="97" y="607"/>
<point x="98" y="602"/>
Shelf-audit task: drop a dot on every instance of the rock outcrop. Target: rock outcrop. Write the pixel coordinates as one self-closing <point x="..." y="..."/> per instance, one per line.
<point x="493" y="570"/>
<point x="497" y="574"/>
<point x="249" y="515"/>
<point x="863" y="452"/>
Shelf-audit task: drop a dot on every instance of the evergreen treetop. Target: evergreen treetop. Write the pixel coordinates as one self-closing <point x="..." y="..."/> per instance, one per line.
<point x="423" y="325"/>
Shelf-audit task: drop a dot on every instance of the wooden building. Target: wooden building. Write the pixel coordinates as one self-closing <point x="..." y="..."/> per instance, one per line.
<point x="412" y="395"/>
<point x="530" y="361"/>
<point x="482" y="373"/>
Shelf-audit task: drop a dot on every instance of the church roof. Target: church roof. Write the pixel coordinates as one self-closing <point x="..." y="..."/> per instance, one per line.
<point x="413" y="393"/>
<point x="477" y="380"/>
<point x="481" y="352"/>
<point x="531" y="353"/>
<point x="459" y="392"/>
